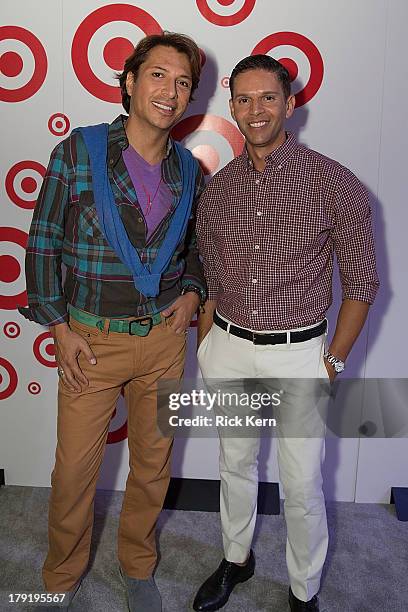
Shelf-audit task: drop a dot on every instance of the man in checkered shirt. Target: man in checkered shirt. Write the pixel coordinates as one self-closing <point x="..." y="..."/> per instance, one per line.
<point x="268" y="226"/>
<point x="119" y="320"/>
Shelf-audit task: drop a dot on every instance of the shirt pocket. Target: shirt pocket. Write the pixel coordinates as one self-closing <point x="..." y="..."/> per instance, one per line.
<point x="88" y="221"/>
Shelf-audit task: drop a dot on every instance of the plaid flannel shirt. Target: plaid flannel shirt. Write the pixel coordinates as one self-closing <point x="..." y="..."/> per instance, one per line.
<point x="65" y="230"/>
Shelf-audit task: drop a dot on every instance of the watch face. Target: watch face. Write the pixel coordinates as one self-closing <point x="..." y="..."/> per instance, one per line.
<point x="339" y="367"/>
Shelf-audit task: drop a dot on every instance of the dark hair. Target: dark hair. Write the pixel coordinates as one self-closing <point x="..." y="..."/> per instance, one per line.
<point x="180" y="42"/>
<point x="262" y="62"/>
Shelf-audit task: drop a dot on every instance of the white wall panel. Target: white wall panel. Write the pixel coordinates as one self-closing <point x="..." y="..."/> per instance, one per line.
<point x="383" y="463"/>
<point x="356" y="117"/>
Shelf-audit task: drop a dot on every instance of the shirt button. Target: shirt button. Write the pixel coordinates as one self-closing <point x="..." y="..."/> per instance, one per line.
<point x="257" y="181"/>
<point x="254" y="312"/>
<point x="111" y="161"/>
<point x="256" y="247"/>
<point x="140" y="219"/>
<point x="259" y="213"/>
<point x="254" y="281"/>
<point x="280" y="167"/>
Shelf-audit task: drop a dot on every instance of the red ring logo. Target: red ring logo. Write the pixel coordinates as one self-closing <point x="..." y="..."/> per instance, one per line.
<point x="49" y="350"/>
<point x="225" y="20"/>
<point x="13" y="379"/>
<point x="58" y="124"/>
<point x="113" y="49"/>
<point x="28" y="185"/>
<point x="10" y="268"/>
<point x="207" y="155"/>
<point x="34" y="388"/>
<point x="11" y="330"/>
<point x="11" y="64"/>
<point x="309" y="49"/>
<point x="225" y="82"/>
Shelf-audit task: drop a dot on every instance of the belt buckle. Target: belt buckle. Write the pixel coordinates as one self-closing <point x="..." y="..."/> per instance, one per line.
<point x="148" y="326"/>
<point x="270" y="339"/>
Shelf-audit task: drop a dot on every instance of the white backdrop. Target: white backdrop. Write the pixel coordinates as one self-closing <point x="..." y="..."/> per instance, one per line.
<point x="348" y="61"/>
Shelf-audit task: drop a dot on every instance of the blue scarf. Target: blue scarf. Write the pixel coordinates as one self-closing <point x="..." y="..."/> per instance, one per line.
<point x="145" y="277"/>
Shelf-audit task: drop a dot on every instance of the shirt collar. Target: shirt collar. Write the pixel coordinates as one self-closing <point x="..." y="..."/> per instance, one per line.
<point x="278" y="157"/>
<point x="117" y="139"/>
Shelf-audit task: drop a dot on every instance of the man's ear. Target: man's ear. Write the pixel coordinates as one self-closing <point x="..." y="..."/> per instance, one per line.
<point x="232" y="109"/>
<point x="290" y="106"/>
<point x="130" y="79"/>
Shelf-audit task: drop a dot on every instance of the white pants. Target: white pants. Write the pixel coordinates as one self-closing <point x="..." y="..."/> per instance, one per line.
<point x="224" y="356"/>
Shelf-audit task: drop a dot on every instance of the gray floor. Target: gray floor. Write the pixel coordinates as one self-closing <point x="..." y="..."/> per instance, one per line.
<point x="366" y="569"/>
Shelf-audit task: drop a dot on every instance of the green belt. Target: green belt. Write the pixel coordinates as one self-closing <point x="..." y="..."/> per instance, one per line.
<point x="135" y="327"/>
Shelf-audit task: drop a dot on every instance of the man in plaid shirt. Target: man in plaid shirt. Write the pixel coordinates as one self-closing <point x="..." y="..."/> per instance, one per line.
<point x="268" y="226"/>
<point x="114" y="326"/>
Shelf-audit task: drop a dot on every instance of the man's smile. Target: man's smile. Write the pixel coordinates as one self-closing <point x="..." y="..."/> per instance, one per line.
<point x="164" y="107"/>
<point x="257" y="124"/>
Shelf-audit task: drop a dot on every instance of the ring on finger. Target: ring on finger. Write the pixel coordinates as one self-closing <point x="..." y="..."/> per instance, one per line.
<point x="60" y="372"/>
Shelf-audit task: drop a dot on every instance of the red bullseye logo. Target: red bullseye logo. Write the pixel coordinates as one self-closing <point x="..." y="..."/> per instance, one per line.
<point x="308" y="48"/>
<point x="225" y="12"/>
<point x="44" y="350"/>
<point x="34" y="388"/>
<point x="23" y="182"/>
<point x="119" y="415"/>
<point x="219" y="130"/>
<point x="8" y="379"/>
<point x="109" y="53"/>
<point x="58" y="124"/>
<point x="11" y="329"/>
<point x="23" y="64"/>
<point x="225" y="82"/>
<point x="12" y="286"/>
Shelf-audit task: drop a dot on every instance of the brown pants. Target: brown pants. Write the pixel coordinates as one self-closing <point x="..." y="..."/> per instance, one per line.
<point x="135" y="363"/>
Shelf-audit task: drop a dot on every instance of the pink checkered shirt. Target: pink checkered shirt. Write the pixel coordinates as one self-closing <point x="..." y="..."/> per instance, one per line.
<point x="268" y="239"/>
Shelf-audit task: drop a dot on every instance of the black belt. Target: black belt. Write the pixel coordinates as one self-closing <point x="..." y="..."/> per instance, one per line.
<point x="279" y="338"/>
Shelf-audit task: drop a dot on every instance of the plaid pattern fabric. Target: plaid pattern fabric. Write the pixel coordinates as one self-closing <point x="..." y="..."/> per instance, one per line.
<point x="65" y="230"/>
<point x="267" y="239"/>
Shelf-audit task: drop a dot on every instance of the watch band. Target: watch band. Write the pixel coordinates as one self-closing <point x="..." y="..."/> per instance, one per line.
<point x="200" y="292"/>
<point x="334" y="361"/>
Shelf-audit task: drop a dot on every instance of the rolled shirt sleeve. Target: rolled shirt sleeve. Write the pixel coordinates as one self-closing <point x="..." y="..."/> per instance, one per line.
<point x="354" y="241"/>
<point x="46" y="301"/>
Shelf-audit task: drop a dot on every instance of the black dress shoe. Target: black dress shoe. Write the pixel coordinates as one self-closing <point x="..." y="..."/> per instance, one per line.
<point x="296" y="605"/>
<point x="215" y="591"/>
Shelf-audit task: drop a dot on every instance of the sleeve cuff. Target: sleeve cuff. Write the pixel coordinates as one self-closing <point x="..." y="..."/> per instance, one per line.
<point x="361" y="294"/>
<point x="52" y="313"/>
<point x="193" y="280"/>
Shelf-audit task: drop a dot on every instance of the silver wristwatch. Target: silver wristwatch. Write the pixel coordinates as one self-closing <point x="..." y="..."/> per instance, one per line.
<point x="337" y="363"/>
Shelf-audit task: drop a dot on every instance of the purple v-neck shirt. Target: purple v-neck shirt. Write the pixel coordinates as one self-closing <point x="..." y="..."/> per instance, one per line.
<point x="143" y="173"/>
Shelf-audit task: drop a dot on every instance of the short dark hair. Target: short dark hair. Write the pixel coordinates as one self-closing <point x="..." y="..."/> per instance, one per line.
<point x="180" y="42"/>
<point x="262" y="62"/>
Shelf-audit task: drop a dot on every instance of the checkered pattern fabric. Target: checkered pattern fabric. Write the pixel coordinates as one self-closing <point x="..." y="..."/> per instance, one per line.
<point x="268" y="238"/>
<point x="65" y="229"/>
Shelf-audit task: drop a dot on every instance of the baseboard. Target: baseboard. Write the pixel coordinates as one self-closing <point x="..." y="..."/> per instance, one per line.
<point x="204" y="495"/>
<point x="399" y="497"/>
